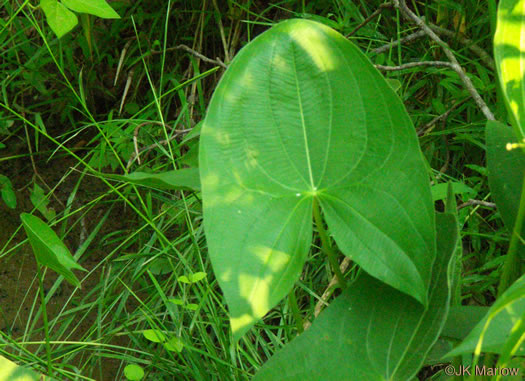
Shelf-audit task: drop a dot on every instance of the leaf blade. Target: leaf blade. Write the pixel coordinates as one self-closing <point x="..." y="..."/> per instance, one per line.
<point x="352" y="340"/>
<point x="289" y="123"/>
<point x="60" y="19"/>
<point x="508" y="54"/>
<point x="49" y="250"/>
<point x="98" y="8"/>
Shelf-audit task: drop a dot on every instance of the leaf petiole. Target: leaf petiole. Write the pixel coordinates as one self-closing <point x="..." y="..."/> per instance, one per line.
<point x="326" y="247"/>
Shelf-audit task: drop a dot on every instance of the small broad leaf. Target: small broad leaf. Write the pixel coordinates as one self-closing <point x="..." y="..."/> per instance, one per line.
<point x="510" y="61"/>
<point x="178" y="302"/>
<point x="174" y="344"/>
<point x="395" y="84"/>
<point x="40" y="202"/>
<point x="186" y="178"/>
<point x="49" y="250"/>
<point x="9" y="371"/>
<point x="505" y="171"/>
<point x="372" y="331"/>
<point x="133" y="372"/>
<point x="98" y="8"/>
<point x="492" y="332"/>
<point x="302" y="114"/>
<point x="154" y="335"/>
<point x="439" y="191"/>
<point x="60" y="19"/>
<point x="184" y="279"/>
<point x="7" y="191"/>
<point x="198" y="276"/>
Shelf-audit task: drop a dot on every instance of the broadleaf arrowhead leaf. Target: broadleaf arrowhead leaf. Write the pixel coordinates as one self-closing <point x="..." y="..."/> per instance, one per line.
<point x="301" y="114"/>
<point x="372" y="331"/>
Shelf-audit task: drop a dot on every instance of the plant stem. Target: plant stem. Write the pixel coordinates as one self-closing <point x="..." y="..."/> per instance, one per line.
<point x="295" y="312"/>
<point x="508" y="275"/>
<point x="325" y="243"/>
<point x="44" y="317"/>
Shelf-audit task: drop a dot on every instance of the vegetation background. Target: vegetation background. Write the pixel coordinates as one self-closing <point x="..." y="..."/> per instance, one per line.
<point x="125" y="95"/>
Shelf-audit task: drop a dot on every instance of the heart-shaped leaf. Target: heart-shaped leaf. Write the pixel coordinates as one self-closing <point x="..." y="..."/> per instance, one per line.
<point x="302" y="114"/>
<point x="372" y="331"/>
<point x="510" y="61"/>
<point x="49" y="250"/>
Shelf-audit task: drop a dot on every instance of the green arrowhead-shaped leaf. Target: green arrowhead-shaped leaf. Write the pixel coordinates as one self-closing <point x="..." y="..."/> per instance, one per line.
<point x="492" y="332"/>
<point x="98" y="8"/>
<point x="186" y="178"/>
<point x="510" y="59"/>
<point x="372" y="331"/>
<point x="49" y="250"/>
<point x="301" y="114"/>
<point x="60" y="19"/>
<point x="505" y="172"/>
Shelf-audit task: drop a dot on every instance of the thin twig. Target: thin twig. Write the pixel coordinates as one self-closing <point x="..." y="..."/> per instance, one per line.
<point x="426" y="128"/>
<point x="136" y="134"/>
<point x="411" y="65"/>
<point x="328" y="291"/>
<point x="370" y="18"/>
<point x="401" y="5"/>
<point x="164" y="142"/>
<point x="486" y="204"/>
<point x="482" y="54"/>
<point x="195" y="53"/>
<point x="404" y="40"/>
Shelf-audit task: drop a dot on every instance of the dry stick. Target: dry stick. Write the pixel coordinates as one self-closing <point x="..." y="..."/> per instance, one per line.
<point x="425" y="129"/>
<point x="404" y="40"/>
<point x="217" y="61"/>
<point x="221" y="30"/>
<point x="135" y="137"/>
<point x="328" y="291"/>
<point x="401" y="5"/>
<point x="411" y="65"/>
<point x="370" y="18"/>
<point x="155" y="145"/>
<point x="482" y="54"/>
<point x="477" y="203"/>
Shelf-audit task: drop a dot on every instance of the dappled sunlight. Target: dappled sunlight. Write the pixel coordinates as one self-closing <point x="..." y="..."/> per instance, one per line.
<point x="256" y="292"/>
<point x="276" y="260"/>
<point x="238" y="323"/>
<point x="210" y="180"/>
<point x="315" y="44"/>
